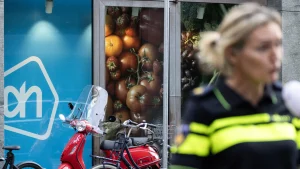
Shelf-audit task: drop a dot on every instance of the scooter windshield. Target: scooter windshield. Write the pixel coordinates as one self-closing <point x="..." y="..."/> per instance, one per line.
<point x="91" y="106"/>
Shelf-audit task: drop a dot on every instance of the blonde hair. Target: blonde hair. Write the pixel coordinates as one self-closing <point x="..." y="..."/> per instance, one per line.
<point x="237" y="25"/>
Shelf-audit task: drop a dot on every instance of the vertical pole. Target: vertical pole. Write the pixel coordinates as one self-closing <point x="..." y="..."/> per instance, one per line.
<point x="166" y="83"/>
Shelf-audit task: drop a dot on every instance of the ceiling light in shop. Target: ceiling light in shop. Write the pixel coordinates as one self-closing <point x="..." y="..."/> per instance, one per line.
<point x="49" y="6"/>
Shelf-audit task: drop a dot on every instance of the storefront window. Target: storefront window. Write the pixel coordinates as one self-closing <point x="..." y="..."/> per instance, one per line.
<point x="134" y="63"/>
<point x="196" y="18"/>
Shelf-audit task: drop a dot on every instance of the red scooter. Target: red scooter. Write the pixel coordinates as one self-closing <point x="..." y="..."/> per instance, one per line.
<point x="86" y="117"/>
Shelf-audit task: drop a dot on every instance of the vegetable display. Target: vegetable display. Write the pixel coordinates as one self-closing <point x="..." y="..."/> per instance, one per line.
<point x="192" y="75"/>
<point x="134" y="63"/>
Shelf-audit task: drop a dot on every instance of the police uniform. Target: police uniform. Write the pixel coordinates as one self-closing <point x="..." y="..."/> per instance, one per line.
<point x="222" y="130"/>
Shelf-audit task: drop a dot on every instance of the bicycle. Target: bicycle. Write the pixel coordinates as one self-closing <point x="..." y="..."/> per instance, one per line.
<point x="129" y="152"/>
<point x="10" y="159"/>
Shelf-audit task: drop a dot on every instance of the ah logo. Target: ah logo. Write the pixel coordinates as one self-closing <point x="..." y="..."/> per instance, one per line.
<point x="22" y="96"/>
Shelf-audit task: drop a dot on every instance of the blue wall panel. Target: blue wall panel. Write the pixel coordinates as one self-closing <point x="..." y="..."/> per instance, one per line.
<point x="47" y="57"/>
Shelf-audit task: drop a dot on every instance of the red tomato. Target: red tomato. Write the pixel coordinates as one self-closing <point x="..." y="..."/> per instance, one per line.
<point x="138" y="100"/>
<point x="130" y="31"/>
<point x="118" y="105"/>
<point x="116" y="75"/>
<point x="151" y="82"/>
<point x="111" y="88"/>
<point x="131" y="42"/>
<point x="128" y="62"/>
<point x="112" y="63"/>
<point x="148" y="50"/>
<point x="122" y="114"/>
<point x="122" y="88"/>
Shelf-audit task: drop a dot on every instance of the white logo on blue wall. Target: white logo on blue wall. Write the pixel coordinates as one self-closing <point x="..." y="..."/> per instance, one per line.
<point x="22" y="95"/>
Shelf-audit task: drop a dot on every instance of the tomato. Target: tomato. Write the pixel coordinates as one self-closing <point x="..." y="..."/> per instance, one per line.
<point x="157" y="68"/>
<point x="112" y="63"/>
<point x="122" y="88"/>
<point x="151" y="82"/>
<point x="123" y="21"/>
<point x="113" y="45"/>
<point x="156" y="101"/>
<point x="116" y="75"/>
<point x="118" y="105"/>
<point x="146" y="64"/>
<point x="122" y="114"/>
<point x="130" y="31"/>
<point x="109" y="25"/>
<point x="115" y="12"/>
<point x="109" y="108"/>
<point x="131" y="42"/>
<point x="128" y="62"/>
<point x="148" y="50"/>
<point x="138" y="100"/>
<point x="111" y="88"/>
<point x="120" y="32"/>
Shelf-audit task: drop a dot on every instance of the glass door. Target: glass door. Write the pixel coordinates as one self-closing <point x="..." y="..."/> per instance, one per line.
<point x="129" y="61"/>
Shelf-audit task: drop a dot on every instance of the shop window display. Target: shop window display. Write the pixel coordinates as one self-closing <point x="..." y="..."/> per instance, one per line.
<point x="134" y="63"/>
<point x="197" y="18"/>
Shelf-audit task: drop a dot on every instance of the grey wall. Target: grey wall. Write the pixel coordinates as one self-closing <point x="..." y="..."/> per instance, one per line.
<point x="291" y="39"/>
<point x="1" y="74"/>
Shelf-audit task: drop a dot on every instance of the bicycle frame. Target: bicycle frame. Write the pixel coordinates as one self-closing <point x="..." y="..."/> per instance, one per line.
<point x="9" y="160"/>
<point x="124" y="157"/>
<point x="121" y="157"/>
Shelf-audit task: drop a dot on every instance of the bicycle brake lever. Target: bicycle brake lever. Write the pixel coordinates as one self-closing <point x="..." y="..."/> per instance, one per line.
<point x="145" y="126"/>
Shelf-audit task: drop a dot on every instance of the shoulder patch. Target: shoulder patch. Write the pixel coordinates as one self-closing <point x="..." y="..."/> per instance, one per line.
<point x="182" y="132"/>
<point x="198" y="90"/>
<point x="201" y="90"/>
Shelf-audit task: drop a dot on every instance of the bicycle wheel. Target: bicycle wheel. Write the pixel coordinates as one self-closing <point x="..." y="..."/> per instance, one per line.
<point x="106" y="166"/>
<point x="29" y="164"/>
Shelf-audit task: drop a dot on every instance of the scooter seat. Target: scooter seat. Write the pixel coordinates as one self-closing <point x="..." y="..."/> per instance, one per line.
<point x="137" y="141"/>
<point x="110" y="145"/>
<point x="11" y="147"/>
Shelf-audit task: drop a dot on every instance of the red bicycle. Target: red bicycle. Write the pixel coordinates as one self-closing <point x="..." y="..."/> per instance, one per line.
<point x="130" y="152"/>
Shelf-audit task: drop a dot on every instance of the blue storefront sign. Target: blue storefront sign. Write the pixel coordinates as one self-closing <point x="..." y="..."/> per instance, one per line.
<point x="48" y="61"/>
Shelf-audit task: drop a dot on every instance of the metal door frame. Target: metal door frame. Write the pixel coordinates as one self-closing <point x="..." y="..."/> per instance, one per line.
<point x="99" y="57"/>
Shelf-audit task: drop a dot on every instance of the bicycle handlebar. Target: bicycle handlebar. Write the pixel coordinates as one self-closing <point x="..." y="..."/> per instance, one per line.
<point x="144" y="125"/>
<point x="132" y="122"/>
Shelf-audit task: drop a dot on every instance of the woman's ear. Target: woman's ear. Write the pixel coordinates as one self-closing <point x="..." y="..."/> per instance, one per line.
<point x="231" y="56"/>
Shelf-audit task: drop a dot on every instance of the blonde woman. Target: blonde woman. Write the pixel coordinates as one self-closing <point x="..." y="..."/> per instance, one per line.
<point x="241" y="122"/>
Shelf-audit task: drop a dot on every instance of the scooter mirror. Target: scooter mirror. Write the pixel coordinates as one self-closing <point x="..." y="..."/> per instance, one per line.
<point x="112" y="118"/>
<point x="70" y="106"/>
<point x="62" y="117"/>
